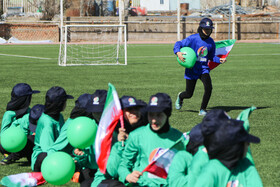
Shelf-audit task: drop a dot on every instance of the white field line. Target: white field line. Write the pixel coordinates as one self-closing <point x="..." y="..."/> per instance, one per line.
<point x="172" y="56"/>
<point x="26" y="56"/>
<point x="274" y="54"/>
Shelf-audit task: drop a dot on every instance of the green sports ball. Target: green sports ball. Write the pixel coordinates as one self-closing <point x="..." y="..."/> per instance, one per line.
<point x="81" y="132"/>
<point x="13" y="139"/>
<point x="190" y="57"/>
<point x="58" y="168"/>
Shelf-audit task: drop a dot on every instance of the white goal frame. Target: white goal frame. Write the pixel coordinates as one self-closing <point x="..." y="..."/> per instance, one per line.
<point x="120" y="48"/>
<point x="121" y="40"/>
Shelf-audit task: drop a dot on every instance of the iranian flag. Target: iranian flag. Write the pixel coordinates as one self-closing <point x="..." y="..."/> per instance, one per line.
<point x="223" y="49"/>
<point x="160" y="159"/>
<point x="111" y="115"/>
<point x="23" y="179"/>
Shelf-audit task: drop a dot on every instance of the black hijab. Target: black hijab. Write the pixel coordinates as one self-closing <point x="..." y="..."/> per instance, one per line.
<point x="166" y="126"/>
<point x="163" y="129"/>
<point x="19" y="105"/>
<point x="228" y="155"/>
<point x="77" y="112"/>
<point x="141" y="122"/>
<point x="53" y="109"/>
<point x="201" y="34"/>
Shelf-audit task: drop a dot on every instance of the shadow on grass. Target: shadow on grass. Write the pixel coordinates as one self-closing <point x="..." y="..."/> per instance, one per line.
<point x="193" y="111"/>
<point x="225" y="108"/>
<point x="229" y="108"/>
<point x="24" y="164"/>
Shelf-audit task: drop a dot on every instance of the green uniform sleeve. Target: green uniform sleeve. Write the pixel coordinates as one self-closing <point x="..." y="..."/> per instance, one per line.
<point x="62" y="143"/>
<point x="98" y="178"/>
<point x="205" y="178"/>
<point x="200" y="159"/>
<point x="213" y="174"/>
<point x="244" y="116"/>
<point x="7" y="120"/>
<point x="23" y="123"/>
<point x="248" y="172"/>
<point x="47" y="137"/>
<point x="178" y="171"/>
<point x="112" y="165"/>
<point x="114" y="160"/>
<point x="128" y="158"/>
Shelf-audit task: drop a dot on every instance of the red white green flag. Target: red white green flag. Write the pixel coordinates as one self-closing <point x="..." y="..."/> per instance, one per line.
<point x="111" y="115"/>
<point x="223" y="49"/>
<point x="160" y="159"/>
<point x="23" y="179"/>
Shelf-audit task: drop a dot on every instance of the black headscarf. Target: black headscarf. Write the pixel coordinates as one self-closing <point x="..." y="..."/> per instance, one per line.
<point x="141" y="122"/>
<point x="77" y="112"/>
<point x="202" y="35"/>
<point x="19" y="105"/>
<point x="53" y="109"/>
<point x="228" y="155"/>
<point x="163" y="129"/>
<point x="166" y="126"/>
<point x="192" y="146"/>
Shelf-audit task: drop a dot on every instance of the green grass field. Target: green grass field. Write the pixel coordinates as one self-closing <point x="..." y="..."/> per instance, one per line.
<point x="249" y="77"/>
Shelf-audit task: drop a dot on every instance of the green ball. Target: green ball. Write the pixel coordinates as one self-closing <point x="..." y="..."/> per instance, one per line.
<point x="81" y="132"/>
<point x="58" y="168"/>
<point x="190" y="57"/>
<point x="13" y="139"/>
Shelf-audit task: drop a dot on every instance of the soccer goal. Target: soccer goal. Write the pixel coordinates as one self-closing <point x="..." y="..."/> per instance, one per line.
<point x="93" y="45"/>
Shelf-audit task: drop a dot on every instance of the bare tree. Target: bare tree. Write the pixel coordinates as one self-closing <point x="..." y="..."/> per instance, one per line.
<point x="49" y="8"/>
<point x="1" y="7"/>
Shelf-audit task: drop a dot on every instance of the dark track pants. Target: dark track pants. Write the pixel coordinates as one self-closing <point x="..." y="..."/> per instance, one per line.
<point x="190" y="86"/>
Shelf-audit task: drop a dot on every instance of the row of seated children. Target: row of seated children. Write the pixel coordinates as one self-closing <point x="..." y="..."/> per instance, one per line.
<point x="216" y="154"/>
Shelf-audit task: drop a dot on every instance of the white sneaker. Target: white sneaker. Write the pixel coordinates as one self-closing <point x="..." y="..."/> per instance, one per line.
<point x="179" y="102"/>
<point x="202" y="112"/>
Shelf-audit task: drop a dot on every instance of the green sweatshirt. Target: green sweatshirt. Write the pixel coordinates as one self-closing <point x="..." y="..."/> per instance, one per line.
<point x="47" y="132"/>
<point x="178" y="171"/>
<point x="62" y="143"/>
<point x="216" y="174"/>
<point x="89" y="158"/>
<point x="24" y="124"/>
<point x="140" y="143"/>
<point x="8" y="118"/>
<point x="112" y="165"/>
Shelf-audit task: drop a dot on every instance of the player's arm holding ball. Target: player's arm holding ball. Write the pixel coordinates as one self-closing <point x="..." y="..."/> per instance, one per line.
<point x="180" y="56"/>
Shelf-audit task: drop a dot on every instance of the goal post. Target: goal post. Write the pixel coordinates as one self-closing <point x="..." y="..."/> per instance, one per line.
<point x="90" y="44"/>
<point x="93" y="45"/>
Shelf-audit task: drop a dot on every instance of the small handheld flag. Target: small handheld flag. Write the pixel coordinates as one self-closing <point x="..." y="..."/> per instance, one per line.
<point x="223" y="49"/>
<point x="162" y="159"/>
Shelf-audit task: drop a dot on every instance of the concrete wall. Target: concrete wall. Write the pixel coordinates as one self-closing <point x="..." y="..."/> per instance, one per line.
<point x="148" y="29"/>
<point x="165" y="29"/>
<point x="168" y="32"/>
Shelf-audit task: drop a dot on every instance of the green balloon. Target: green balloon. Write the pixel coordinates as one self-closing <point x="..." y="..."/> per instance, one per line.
<point x="58" y="168"/>
<point x="13" y="139"/>
<point x="190" y="57"/>
<point x="81" y="132"/>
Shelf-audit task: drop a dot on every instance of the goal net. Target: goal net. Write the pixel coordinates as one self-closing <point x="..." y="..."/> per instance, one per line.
<point x="93" y="45"/>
